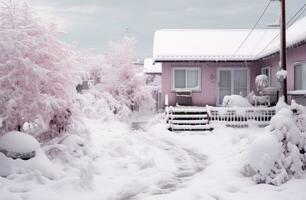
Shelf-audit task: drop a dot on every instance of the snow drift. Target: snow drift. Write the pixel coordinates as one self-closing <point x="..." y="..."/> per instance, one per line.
<point x="18" y="142"/>
<point x="280" y="153"/>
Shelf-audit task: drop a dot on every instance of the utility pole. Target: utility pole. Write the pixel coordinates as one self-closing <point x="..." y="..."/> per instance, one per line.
<point x="283" y="48"/>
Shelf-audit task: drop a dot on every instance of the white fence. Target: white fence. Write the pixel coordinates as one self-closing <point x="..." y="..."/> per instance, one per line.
<point x="240" y="117"/>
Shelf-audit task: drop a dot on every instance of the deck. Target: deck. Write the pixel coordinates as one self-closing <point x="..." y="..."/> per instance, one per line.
<point x="193" y="118"/>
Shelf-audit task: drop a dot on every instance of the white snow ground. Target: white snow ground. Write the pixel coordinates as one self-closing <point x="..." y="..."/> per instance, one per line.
<point x="152" y="164"/>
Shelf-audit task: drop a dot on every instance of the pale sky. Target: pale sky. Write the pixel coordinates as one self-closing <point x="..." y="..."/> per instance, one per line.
<point x="93" y="23"/>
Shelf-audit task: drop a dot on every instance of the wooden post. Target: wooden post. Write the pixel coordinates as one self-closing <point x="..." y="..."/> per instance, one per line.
<point x="283" y="48"/>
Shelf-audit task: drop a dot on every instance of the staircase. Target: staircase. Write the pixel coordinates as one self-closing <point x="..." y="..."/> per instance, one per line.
<point x="188" y="118"/>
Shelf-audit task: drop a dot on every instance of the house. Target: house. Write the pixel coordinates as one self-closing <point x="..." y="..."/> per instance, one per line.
<point x="153" y="79"/>
<point x="209" y="63"/>
<point x="151" y="68"/>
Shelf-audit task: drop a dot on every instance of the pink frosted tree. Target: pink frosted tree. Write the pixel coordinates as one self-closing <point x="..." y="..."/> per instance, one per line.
<point x="122" y="79"/>
<point x="36" y="76"/>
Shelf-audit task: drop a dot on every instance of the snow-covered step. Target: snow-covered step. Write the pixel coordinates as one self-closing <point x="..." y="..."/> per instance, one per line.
<point x="189" y="109"/>
<point x="188" y="119"/>
<point x="201" y="121"/>
<point x="201" y="116"/>
<point x="174" y="127"/>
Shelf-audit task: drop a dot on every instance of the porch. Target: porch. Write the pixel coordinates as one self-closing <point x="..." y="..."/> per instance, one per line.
<point x="194" y="118"/>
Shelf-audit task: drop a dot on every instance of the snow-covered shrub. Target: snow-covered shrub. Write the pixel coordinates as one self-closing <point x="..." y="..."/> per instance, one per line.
<point x="280" y="153"/>
<point x="264" y="153"/>
<point x="235" y="101"/>
<point x="121" y="78"/>
<point x="281" y="104"/>
<point x="261" y="82"/>
<point x="154" y="82"/>
<point x="299" y="116"/>
<point x="93" y="64"/>
<point x="18" y="142"/>
<point x="281" y="75"/>
<point x="97" y="104"/>
<point x="36" y="74"/>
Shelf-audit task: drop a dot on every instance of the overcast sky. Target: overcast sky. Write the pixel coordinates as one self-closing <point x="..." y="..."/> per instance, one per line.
<point x="93" y="23"/>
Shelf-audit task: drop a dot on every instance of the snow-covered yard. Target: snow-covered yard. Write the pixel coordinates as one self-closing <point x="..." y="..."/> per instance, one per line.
<point x="67" y="131"/>
<point x="120" y="163"/>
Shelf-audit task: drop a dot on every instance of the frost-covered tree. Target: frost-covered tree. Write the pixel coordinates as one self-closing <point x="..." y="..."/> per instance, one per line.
<point x="280" y="153"/>
<point x="36" y="76"/>
<point x="92" y="65"/>
<point x="122" y="79"/>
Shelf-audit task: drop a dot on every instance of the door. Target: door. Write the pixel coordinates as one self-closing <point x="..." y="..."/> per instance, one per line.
<point x="232" y="81"/>
<point x="225" y="84"/>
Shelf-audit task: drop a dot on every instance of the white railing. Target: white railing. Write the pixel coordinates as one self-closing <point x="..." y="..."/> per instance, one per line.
<point x="240" y="116"/>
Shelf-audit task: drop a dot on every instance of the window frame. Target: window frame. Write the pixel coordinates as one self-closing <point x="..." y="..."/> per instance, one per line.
<point x="231" y="69"/>
<point x="269" y="72"/>
<point x="197" y="89"/>
<point x="301" y="63"/>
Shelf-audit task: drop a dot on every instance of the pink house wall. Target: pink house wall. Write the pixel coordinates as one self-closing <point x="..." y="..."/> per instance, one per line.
<point x="293" y="55"/>
<point x="209" y="86"/>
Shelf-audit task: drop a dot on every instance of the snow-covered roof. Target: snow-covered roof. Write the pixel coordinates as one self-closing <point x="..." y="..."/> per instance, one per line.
<point x="151" y="68"/>
<point x="295" y="34"/>
<point x="221" y="44"/>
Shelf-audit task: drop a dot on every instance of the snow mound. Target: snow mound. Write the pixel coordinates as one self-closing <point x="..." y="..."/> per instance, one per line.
<point x="235" y="101"/>
<point x="281" y="104"/>
<point x="18" y="142"/>
<point x="75" y="145"/>
<point x="280" y="153"/>
<point x="263" y="153"/>
<point x="22" y="143"/>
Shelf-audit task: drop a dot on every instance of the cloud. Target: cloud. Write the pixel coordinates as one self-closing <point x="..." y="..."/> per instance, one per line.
<point x="90" y="9"/>
<point x="67" y="18"/>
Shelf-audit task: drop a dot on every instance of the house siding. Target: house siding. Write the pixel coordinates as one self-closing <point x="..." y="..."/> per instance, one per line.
<point x="209" y="86"/>
<point x="293" y="55"/>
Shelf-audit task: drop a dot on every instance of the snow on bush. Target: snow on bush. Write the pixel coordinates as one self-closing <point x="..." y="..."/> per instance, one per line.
<point x="121" y="78"/>
<point x="261" y="82"/>
<point x="281" y="75"/>
<point x="154" y="82"/>
<point x="93" y="64"/>
<point x="96" y="104"/>
<point x="18" y="142"/>
<point x="281" y="104"/>
<point x="299" y="116"/>
<point x="36" y="74"/>
<point x="280" y="153"/>
<point x="264" y="152"/>
<point x="235" y="101"/>
<point x="119" y="88"/>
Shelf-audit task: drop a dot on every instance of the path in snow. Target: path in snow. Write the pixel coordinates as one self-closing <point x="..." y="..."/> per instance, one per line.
<point x="188" y="161"/>
<point x="189" y="164"/>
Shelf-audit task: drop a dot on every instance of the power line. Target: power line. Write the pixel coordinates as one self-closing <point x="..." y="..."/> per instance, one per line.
<point x="253" y="28"/>
<point x="298" y="15"/>
<point x="294" y="18"/>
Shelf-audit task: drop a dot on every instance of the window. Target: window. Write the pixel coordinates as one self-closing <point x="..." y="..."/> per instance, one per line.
<point x="186" y="78"/>
<point x="300" y="76"/>
<point x="267" y="71"/>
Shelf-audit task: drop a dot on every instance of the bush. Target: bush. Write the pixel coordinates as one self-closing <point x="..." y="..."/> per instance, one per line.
<point x="280" y="153"/>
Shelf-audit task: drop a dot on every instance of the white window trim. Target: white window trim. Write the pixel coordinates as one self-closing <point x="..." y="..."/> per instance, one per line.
<point x="232" y="80"/>
<point x="294" y="65"/>
<point x="187" y="89"/>
<point x="269" y="71"/>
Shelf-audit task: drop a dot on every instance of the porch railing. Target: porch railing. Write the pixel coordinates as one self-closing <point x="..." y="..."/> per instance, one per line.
<point x="240" y="116"/>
